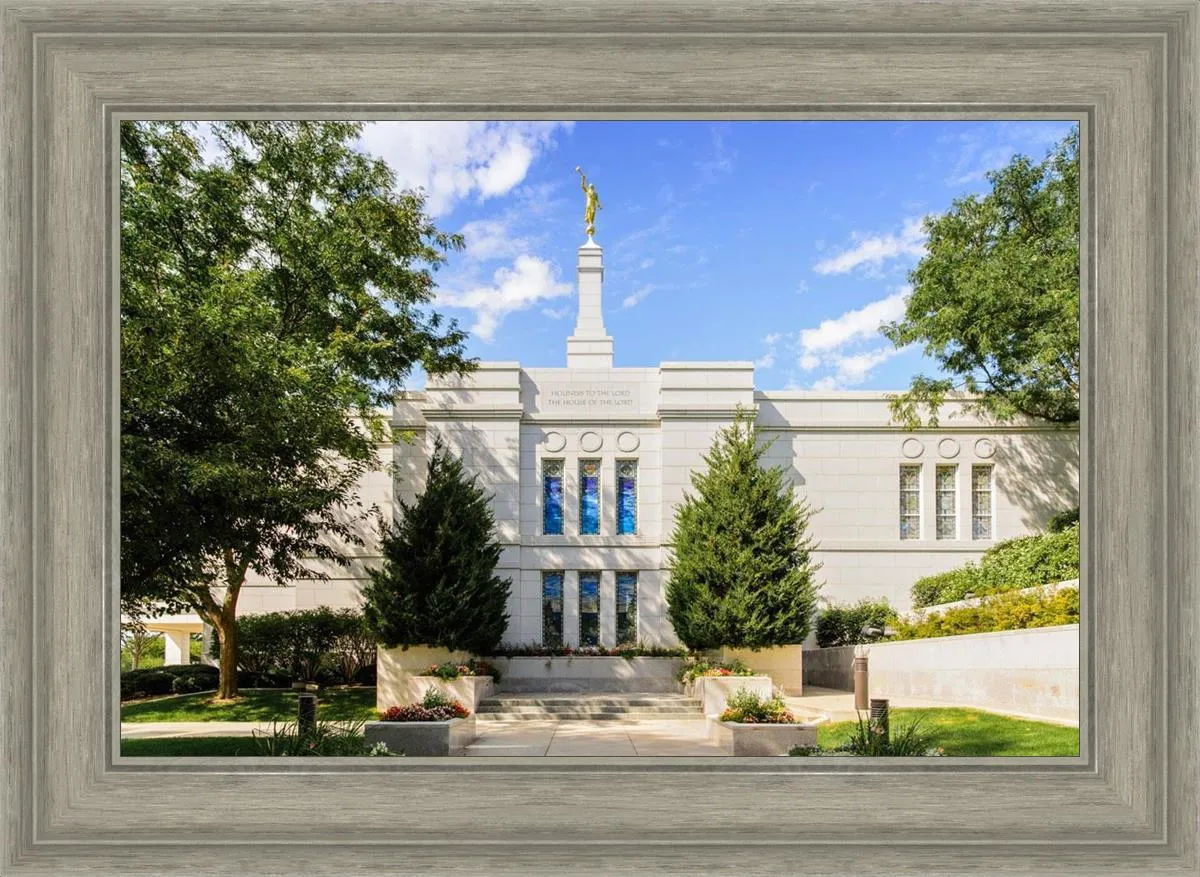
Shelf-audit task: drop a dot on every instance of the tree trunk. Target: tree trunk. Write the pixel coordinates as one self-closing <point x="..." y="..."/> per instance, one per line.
<point x="227" y="633"/>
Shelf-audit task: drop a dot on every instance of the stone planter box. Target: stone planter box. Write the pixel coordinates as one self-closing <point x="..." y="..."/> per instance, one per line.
<point x="760" y="739"/>
<point x="393" y="668"/>
<point x="404" y="688"/>
<point x="713" y="691"/>
<point x="581" y="674"/>
<point x="423" y="738"/>
<point x="784" y="664"/>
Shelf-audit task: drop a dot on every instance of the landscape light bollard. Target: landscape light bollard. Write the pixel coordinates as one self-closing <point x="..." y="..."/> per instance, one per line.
<point x="860" y="682"/>
<point x="307" y="718"/>
<point x="879" y="716"/>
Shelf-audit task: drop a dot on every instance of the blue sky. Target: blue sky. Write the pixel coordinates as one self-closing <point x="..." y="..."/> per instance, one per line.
<point x="783" y="243"/>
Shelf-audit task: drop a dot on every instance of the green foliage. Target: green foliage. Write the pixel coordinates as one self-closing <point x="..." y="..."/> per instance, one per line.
<point x="995" y="300"/>
<point x="624" y="650"/>
<point x="696" y="667"/>
<point x="847" y="625"/>
<point x="343" y="739"/>
<point x="271" y="300"/>
<point x="1063" y="520"/>
<point x="747" y="707"/>
<point x="742" y="572"/>
<point x="438" y="585"/>
<point x="171" y="679"/>
<point x="304" y="645"/>
<point x="1000" y="612"/>
<point x="869" y="737"/>
<point x="473" y="667"/>
<point x="1025" y="562"/>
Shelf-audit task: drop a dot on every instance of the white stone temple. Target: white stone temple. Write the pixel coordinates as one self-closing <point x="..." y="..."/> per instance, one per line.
<point x="588" y="461"/>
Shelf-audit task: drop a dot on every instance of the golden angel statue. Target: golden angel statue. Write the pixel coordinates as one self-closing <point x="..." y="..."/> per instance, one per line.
<point x="593" y="202"/>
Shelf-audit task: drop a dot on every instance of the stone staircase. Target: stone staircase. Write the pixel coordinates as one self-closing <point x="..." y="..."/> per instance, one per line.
<point x="588" y="707"/>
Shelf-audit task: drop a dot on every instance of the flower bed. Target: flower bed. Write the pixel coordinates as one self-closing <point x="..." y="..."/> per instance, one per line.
<point x="453" y="669"/>
<point x="436" y="726"/>
<point x="693" y="668"/>
<point x="752" y="725"/>
<point x="626" y="650"/>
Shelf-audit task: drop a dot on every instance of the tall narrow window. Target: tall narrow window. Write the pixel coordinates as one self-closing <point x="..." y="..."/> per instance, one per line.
<point x="947" y="502"/>
<point x="589" y="497"/>
<point x="552" y="497"/>
<point x="981" y="502"/>
<point x="627" y="587"/>
<point x="626" y="497"/>
<point x="589" y="608"/>
<point x="910" y="502"/>
<point x="552" y="609"/>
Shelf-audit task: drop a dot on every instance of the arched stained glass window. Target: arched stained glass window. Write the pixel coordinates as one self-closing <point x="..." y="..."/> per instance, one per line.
<point x="626" y="497"/>
<point x="589" y="497"/>
<point x="552" y="497"/>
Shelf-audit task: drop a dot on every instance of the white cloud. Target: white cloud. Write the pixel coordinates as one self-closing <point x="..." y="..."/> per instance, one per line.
<point x="557" y="313"/>
<point x="457" y="160"/>
<point x="492" y="239"/>
<point x="991" y="148"/>
<point x="846" y="348"/>
<point x="874" y="250"/>
<point x="528" y="282"/>
<point x="638" y="296"/>
<point x="853" y="325"/>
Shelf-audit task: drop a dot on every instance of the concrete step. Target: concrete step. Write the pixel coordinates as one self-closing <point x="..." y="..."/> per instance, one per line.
<point x="589" y="717"/>
<point x="589" y="707"/>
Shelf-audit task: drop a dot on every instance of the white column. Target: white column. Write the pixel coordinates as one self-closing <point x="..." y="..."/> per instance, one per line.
<point x="608" y="608"/>
<point x="590" y="346"/>
<point x="571" y="607"/>
<point x="178" y="647"/>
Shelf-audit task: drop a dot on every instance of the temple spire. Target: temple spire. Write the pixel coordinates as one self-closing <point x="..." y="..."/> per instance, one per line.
<point x="590" y="346"/>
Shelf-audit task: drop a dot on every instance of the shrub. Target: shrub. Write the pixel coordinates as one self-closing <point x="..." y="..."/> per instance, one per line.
<point x="1063" y="520"/>
<point x="434" y="707"/>
<point x="473" y="667"/>
<point x="1025" y="562"/>
<point x="742" y="572"/>
<point x="845" y="625"/>
<point x="867" y="738"/>
<point x="172" y="679"/>
<point x="625" y="650"/>
<point x="749" y="708"/>
<point x="438" y="584"/>
<point x="1000" y="612"/>
<point x="696" y="667"/>
<point x="323" y="739"/>
<point x="324" y="645"/>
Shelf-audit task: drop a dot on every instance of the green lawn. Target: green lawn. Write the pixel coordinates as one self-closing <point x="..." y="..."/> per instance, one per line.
<point x="974" y="732"/>
<point x="203" y="747"/>
<point x="334" y="704"/>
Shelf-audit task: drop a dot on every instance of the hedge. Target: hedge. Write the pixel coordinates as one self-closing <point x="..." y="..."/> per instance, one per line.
<point x="844" y="625"/>
<point x="1026" y="562"/>
<point x="324" y="645"/>
<point x="1000" y="612"/>
<point x="188" y="679"/>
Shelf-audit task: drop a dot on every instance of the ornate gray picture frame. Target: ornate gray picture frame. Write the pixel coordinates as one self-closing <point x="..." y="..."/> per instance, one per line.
<point x="71" y="70"/>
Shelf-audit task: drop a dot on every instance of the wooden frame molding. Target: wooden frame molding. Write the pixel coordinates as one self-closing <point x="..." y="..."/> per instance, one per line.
<point x="1127" y="71"/>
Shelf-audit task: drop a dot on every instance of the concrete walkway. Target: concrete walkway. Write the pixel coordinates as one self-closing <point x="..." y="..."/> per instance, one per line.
<point x="642" y="737"/>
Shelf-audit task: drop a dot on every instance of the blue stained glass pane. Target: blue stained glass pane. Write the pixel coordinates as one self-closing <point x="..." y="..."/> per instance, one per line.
<point x="626" y="505"/>
<point x="552" y="508"/>
<point x="552" y="608"/>
<point x="589" y="499"/>
<point x="589" y="609"/>
<point x="626" y="607"/>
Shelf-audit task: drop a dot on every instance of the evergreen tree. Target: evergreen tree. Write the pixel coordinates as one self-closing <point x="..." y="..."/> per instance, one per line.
<point x="742" y="573"/>
<point x="438" y="585"/>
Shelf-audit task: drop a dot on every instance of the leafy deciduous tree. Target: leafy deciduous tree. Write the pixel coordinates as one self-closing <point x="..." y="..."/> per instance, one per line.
<point x="271" y="300"/>
<point x="996" y="299"/>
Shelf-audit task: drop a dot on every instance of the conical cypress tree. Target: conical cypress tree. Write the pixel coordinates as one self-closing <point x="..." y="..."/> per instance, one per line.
<point x="742" y="573"/>
<point x="438" y="584"/>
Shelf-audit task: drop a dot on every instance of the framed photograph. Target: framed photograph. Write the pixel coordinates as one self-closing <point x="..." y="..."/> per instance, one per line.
<point x="316" y="443"/>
